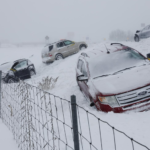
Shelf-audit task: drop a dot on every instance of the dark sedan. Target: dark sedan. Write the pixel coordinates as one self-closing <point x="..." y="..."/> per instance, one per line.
<point x="142" y="34"/>
<point x="19" y="69"/>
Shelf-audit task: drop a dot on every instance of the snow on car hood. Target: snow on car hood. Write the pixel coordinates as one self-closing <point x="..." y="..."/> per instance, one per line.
<point x="6" y="67"/>
<point x="123" y="81"/>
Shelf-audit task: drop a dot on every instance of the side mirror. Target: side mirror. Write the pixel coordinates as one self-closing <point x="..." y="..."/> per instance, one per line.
<point x="148" y="56"/>
<point x="82" y="78"/>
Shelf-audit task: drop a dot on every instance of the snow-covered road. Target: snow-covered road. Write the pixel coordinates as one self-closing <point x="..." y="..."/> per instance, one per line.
<point x="136" y="125"/>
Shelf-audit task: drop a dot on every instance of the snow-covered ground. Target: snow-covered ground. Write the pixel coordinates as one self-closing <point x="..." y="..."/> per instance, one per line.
<point x="136" y="125"/>
<point x="6" y="138"/>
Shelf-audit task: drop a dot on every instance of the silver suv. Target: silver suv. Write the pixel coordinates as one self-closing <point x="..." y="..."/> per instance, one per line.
<point x="61" y="49"/>
<point x="142" y="34"/>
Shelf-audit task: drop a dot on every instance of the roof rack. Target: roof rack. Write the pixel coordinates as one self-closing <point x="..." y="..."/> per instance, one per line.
<point x="117" y="43"/>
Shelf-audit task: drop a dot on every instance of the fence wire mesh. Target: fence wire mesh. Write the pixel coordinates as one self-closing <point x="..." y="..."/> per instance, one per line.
<point x="42" y="121"/>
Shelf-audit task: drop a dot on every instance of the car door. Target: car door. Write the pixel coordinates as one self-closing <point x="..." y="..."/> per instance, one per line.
<point x="71" y="46"/>
<point x="83" y="84"/>
<point x="22" y="70"/>
<point x="62" y="48"/>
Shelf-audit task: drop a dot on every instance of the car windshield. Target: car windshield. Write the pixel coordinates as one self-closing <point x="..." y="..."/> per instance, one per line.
<point x="105" y="65"/>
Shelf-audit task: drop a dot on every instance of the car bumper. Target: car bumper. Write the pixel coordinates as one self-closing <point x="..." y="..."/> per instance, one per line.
<point x="47" y="59"/>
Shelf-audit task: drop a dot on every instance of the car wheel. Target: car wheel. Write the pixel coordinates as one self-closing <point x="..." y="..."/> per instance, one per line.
<point x="10" y="80"/>
<point x="82" y="47"/>
<point x="136" y="38"/>
<point x="32" y="73"/>
<point x="58" y="57"/>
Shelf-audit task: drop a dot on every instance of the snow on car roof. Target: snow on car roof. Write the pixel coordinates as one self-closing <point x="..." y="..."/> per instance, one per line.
<point x="54" y="42"/>
<point x="102" y="50"/>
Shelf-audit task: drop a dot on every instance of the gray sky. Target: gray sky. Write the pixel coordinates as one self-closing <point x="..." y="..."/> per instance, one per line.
<point x="32" y="20"/>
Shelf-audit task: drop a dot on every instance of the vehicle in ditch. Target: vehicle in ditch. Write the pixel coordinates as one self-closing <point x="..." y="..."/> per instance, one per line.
<point x="60" y="50"/>
<point x="115" y="78"/>
<point x="19" y="69"/>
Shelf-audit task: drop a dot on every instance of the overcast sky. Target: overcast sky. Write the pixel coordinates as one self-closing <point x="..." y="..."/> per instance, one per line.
<point x="32" y="20"/>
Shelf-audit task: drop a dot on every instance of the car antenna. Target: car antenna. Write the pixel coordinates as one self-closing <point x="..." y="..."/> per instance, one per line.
<point x="107" y="50"/>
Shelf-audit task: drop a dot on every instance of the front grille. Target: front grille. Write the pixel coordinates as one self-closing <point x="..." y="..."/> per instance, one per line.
<point x="133" y="96"/>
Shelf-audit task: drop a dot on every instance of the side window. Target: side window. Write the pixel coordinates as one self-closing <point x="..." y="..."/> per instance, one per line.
<point x="68" y="42"/>
<point x="146" y="28"/>
<point x="59" y="45"/>
<point x="83" y="70"/>
<point x="20" y="65"/>
<point x="79" y="66"/>
<point x="29" y="62"/>
<point x="50" y="47"/>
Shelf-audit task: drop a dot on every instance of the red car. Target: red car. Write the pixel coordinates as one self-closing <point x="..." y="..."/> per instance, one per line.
<point x="115" y="78"/>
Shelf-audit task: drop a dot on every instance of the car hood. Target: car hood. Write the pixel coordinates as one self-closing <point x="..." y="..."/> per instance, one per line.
<point x="6" y="67"/>
<point x="124" y="81"/>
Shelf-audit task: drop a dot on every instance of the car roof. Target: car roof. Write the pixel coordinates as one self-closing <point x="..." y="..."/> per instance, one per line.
<point x="19" y="60"/>
<point x="104" y="50"/>
<point x="55" y="42"/>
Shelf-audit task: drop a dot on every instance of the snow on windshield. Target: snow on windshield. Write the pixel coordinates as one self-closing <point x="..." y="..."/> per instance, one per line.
<point x="113" y="62"/>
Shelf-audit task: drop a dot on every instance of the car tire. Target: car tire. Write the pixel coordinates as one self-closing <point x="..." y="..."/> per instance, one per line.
<point x="82" y="47"/>
<point x="92" y="102"/>
<point x="136" y="38"/>
<point x="32" y="73"/>
<point x="10" y="80"/>
<point x="58" y="57"/>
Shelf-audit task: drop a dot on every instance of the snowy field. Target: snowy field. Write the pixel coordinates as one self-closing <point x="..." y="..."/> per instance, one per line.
<point x="136" y="125"/>
<point x="6" y="138"/>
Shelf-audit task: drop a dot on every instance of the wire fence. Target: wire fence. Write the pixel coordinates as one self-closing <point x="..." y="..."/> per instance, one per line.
<point x="43" y="121"/>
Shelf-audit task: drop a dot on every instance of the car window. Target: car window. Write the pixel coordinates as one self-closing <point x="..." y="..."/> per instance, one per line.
<point x="116" y="61"/>
<point x="20" y="65"/>
<point x="68" y="42"/>
<point x="29" y="62"/>
<point x="61" y="44"/>
<point x="80" y="63"/>
<point x="50" y="47"/>
<point x="146" y="28"/>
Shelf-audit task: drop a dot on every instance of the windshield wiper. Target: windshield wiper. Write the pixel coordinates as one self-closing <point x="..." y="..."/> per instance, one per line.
<point x="123" y="70"/>
<point x="114" y="72"/>
<point x="102" y="76"/>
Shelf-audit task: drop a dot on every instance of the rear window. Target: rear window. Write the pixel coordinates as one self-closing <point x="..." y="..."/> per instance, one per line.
<point x="50" y="47"/>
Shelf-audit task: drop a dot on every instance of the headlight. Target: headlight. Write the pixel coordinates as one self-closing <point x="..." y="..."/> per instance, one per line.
<point x="110" y="100"/>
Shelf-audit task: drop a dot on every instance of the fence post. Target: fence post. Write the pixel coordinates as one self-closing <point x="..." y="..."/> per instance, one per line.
<point x="0" y="91"/>
<point x="75" y="122"/>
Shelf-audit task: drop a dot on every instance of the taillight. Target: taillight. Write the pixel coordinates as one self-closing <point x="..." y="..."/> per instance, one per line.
<point x="50" y="55"/>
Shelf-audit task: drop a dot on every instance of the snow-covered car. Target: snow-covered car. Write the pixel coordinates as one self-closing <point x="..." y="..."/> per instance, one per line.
<point x="142" y="34"/>
<point x="19" y="69"/>
<point x="61" y="49"/>
<point x="115" y="78"/>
